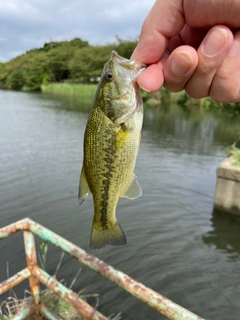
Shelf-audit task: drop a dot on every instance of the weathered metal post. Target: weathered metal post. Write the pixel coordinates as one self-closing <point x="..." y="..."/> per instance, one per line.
<point x="14" y="280"/>
<point x="31" y="258"/>
<point x="35" y="274"/>
<point x="68" y="295"/>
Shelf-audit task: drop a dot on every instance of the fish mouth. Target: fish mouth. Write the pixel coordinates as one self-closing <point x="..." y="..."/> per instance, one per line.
<point x="134" y="66"/>
<point x="131" y="69"/>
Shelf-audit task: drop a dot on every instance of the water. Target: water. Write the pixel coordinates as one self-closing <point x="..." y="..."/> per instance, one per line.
<point x="176" y="245"/>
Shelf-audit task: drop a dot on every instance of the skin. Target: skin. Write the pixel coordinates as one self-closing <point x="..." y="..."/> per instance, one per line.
<point x="192" y="45"/>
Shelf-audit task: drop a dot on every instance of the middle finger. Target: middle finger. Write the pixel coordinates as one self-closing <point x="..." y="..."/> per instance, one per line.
<point x="211" y="54"/>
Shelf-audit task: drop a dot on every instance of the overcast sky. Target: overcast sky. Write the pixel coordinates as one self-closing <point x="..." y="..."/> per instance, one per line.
<point x="28" y="24"/>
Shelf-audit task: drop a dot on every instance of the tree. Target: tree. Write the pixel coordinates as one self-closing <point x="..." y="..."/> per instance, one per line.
<point x="16" y="79"/>
<point x="125" y="47"/>
<point x="59" y="61"/>
<point x="87" y="63"/>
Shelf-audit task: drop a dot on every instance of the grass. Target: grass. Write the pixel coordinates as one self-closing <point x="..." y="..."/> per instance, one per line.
<point x="58" y="306"/>
<point x="235" y="152"/>
<point x="13" y="306"/>
<point x="80" y="90"/>
<point x="151" y="99"/>
<point x="55" y="304"/>
<point x="71" y="89"/>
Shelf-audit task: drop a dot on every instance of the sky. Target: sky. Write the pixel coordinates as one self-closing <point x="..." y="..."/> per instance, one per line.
<point x="28" y="24"/>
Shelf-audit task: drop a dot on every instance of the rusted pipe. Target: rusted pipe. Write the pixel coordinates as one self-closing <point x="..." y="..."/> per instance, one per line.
<point x="14" y="280"/>
<point x="12" y="228"/>
<point x="47" y="314"/>
<point x="31" y="260"/>
<point x="67" y="294"/>
<point x="24" y="314"/>
<point x="152" y="298"/>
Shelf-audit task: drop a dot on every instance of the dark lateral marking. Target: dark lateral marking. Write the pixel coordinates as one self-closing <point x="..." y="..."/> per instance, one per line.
<point x="109" y="158"/>
<point x="104" y="203"/>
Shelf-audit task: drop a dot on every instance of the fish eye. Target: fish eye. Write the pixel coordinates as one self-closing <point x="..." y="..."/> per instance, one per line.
<point x="109" y="76"/>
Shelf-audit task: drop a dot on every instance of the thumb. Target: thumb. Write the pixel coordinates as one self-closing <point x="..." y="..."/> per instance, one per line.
<point x="164" y="21"/>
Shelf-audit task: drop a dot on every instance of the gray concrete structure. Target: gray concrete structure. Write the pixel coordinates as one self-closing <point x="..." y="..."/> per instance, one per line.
<point x="227" y="194"/>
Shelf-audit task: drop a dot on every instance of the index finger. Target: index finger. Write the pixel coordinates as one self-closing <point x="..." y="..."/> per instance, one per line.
<point x="164" y="21"/>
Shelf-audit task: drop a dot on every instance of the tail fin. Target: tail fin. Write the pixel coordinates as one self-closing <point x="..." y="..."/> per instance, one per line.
<point x="114" y="237"/>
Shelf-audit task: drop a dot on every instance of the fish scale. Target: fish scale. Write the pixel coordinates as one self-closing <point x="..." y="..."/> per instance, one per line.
<point x="111" y="143"/>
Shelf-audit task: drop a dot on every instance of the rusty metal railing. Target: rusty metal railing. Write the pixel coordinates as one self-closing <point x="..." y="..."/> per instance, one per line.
<point x="36" y="275"/>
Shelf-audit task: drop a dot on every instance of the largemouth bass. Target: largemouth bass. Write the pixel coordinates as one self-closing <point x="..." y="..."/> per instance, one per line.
<point x="111" y="144"/>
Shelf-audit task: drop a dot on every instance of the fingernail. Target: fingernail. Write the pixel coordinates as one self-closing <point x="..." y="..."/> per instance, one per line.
<point x="181" y="63"/>
<point x="147" y="90"/>
<point x="214" y="41"/>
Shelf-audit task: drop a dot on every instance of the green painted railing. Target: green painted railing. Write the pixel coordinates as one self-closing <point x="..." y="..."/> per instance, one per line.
<point x="37" y="275"/>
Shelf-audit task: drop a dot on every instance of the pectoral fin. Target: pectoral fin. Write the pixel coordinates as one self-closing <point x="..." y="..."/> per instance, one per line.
<point x="84" y="190"/>
<point x="134" y="190"/>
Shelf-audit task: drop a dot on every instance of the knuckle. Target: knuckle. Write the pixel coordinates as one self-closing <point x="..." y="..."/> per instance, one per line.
<point x="173" y="87"/>
<point x="225" y="95"/>
<point x="196" y="95"/>
<point x="226" y="84"/>
<point x="209" y="64"/>
<point x="197" y="90"/>
<point x="206" y="67"/>
<point x="174" y="83"/>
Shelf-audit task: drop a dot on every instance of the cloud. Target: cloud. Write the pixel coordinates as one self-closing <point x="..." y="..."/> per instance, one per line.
<point x="30" y="23"/>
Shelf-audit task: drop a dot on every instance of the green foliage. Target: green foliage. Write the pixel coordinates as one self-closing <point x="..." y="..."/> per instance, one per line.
<point x="42" y="254"/>
<point x="76" y="61"/>
<point x="235" y="152"/>
<point x="146" y="96"/>
<point x="60" y="61"/>
<point x="125" y="47"/>
<point x="60" y="307"/>
<point x="76" y="42"/>
<point x="79" y="90"/>
<point x="87" y="63"/>
<point x="3" y="74"/>
<point x="36" y="76"/>
<point x="182" y="98"/>
<point x="16" y="79"/>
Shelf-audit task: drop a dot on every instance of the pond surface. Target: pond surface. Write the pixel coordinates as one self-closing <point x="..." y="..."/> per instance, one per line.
<point x="176" y="244"/>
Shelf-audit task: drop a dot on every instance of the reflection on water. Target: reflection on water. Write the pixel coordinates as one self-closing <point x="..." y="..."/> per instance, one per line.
<point x="228" y="244"/>
<point x="197" y="130"/>
<point x="175" y="244"/>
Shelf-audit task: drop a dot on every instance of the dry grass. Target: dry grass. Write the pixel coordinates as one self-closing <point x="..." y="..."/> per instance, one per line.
<point x="55" y="304"/>
<point x="13" y="306"/>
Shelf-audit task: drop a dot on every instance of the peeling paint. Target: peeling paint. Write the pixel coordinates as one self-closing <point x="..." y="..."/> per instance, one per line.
<point x="14" y="280"/>
<point x="35" y="274"/>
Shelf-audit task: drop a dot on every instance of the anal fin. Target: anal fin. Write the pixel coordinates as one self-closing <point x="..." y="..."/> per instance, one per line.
<point x="134" y="190"/>
<point x="84" y="190"/>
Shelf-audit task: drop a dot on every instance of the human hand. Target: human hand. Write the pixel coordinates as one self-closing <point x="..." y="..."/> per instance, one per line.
<point x="192" y="45"/>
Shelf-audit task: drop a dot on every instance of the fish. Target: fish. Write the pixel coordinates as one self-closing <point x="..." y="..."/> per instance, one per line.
<point x="111" y="144"/>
